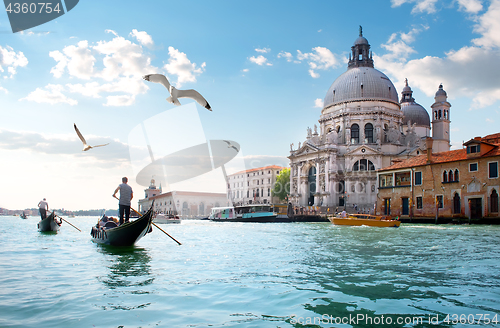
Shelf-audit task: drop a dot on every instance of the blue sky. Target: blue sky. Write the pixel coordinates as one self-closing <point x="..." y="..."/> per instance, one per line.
<point x="264" y="67"/>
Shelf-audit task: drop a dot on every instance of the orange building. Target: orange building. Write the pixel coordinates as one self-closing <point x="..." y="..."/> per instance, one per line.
<point x="457" y="185"/>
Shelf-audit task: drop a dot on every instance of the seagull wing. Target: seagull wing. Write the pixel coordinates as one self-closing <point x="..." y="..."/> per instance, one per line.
<point x="158" y="78"/>
<point x="80" y="135"/>
<point x="100" y="145"/>
<point x="193" y="94"/>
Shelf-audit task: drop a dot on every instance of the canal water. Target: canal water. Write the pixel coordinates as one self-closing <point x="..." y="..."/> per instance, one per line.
<point x="251" y="275"/>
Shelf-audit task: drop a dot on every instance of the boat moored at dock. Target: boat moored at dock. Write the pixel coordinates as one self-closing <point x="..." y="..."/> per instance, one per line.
<point x="166" y="218"/>
<point x="246" y="213"/>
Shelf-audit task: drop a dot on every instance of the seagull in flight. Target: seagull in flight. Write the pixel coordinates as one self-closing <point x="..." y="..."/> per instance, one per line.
<point x="85" y="145"/>
<point x="175" y="93"/>
<point x="230" y="145"/>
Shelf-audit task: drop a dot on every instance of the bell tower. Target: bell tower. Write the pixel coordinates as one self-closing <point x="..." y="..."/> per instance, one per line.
<point x="441" y="121"/>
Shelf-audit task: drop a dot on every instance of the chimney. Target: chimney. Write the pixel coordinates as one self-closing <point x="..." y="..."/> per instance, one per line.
<point x="428" y="142"/>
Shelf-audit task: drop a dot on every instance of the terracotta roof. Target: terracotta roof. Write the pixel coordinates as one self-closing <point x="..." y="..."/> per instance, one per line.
<point x="437" y="158"/>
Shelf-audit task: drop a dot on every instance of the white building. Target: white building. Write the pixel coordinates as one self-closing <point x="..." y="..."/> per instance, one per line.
<point x="363" y="127"/>
<point x="186" y="204"/>
<point x="254" y="185"/>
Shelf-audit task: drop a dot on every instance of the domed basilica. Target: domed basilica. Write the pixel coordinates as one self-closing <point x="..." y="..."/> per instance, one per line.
<point x="363" y="127"/>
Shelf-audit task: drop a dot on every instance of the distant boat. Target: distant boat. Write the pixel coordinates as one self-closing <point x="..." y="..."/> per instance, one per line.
<point x="365" y="220"/>
<point x="246" y="213"/>
<point x="49" y="223"/>
<point x="166" y="218"/>
<point x="23" y="216"/>
<point x="126" y="234"/>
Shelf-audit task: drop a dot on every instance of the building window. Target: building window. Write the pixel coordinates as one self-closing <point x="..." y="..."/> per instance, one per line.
<point x="248" y="193"/>
<point x="450" y="176"/>
<point x="472" y="167"/>
<point x="419" y="202"/>
<point x="385" y="180"/>
<point x="473" y="149"/>
<point x="369" y="133"/>
<point x="402" y="178"/>
<point x="445" y="176"/>
<point x="457" y="178"/>
<point x="494" y="201"/>
<point x="354" y="133"/>
<point x="493" y="170"/>
<point x="418" y="178"/>
<point x="268" y="192"/>
<point x="439" y="201"/>
<point x="456" y="204"/>
<point x="363" y="165"/>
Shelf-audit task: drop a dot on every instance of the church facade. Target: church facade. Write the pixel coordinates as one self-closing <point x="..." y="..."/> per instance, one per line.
<point x="363" y="127"/>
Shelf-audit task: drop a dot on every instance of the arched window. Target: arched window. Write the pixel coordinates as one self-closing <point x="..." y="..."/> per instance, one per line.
<point x="445" y="176"/>
<point x="369" y="133"/>
<point x="456" y="204"/>
<point x="354" y="133"/>
<point x="201" y="209"/>
<point x="439" y="114"/>
<point x="311" y="179"/>
<point x="450" y="176"/>
<point x="456" y="175"/>
<point x="494" y="201"/>
<point x="386" y="130"/>
<point x="363" y="165"/>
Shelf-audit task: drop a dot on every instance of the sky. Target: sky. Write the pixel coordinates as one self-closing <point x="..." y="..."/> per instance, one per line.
<point x="263" y="66"/>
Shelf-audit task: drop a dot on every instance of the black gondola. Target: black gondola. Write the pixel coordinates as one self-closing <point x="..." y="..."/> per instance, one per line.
<point x="49" y="223"/>
<point x="126" y="234"/>
<point x="23" y="216"/>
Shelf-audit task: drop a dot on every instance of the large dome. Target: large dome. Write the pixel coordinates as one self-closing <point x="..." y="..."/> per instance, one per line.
<point x="415" y="113"/>
<point x="361" y="84"/>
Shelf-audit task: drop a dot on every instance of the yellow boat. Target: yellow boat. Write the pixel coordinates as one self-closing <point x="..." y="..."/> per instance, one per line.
<point x="365" y="219"/>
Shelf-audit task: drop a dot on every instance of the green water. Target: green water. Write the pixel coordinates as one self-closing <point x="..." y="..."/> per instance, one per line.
<point x="251" y="275"/>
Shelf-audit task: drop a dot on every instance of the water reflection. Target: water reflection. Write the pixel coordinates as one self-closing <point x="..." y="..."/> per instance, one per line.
<point x="129" y="277"/>
<point x="411" y="281"/>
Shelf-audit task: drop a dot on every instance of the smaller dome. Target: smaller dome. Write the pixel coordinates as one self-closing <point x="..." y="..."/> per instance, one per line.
<point x="361" y="40"/>
<point x="415" y="113"/>
<point x="441" y="92"/>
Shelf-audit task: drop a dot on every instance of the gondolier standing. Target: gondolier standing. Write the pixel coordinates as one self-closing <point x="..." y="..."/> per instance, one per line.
<point x="43" y="207"/>
<point x="126" y="195"/>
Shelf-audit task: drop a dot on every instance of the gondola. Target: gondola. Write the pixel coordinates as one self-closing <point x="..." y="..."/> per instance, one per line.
<point x="49" y="223"/>
<point x="126" y="234"/>
<point x="23" y="216"/>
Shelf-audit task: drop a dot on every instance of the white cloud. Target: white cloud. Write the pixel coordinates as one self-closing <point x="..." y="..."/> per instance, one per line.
<point x="489" y="25"/>
<point x="52" y="94"/>
<point x="489" y="120"/>
<point x="320" y="59"/>
<point x="288" y="56"/>
<point x="421" y="6"/>
<point x="260" y="60"/>
<point x="144" y="38"/>
<point x="318" y="103"/>
<point x="180" y="65"/>
<point x="245" y="70"/>
<point x="123" y="100"/>
<point x="10" y="60"/>
<point x="115" y="153"/>
<point x="468" y="71"/>
<point x="470" y="6"/>
<point x="263" y="50"/>
<point x="114" y="66"/>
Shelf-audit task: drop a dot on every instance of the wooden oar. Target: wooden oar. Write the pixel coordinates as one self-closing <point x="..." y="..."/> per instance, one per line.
<point x="68" y="223"/>
<point x="157" y="227"/>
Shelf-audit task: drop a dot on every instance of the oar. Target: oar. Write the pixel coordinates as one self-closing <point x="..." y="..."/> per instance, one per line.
<point x="68" y="223"/>
<point x="157" y="227"/>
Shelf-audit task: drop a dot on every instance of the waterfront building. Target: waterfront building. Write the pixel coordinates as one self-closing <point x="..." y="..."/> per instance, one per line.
<point x="461" y="183"/>
<point x="254" y="185"/>
<point x="186" y="204"/>
<point x="363" y="127"/>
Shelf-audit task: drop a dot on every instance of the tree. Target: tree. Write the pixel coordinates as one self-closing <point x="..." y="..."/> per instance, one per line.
<point x="282" y="186"/>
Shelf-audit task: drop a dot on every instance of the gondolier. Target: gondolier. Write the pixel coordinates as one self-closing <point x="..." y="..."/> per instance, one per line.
<point x="126" y="195"/>
<point x="43" y="207"/>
